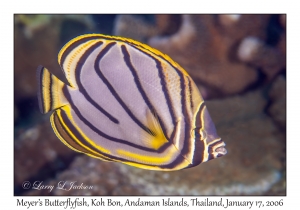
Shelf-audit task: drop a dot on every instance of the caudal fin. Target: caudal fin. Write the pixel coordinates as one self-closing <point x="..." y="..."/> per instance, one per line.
<point x="50" y="95"/>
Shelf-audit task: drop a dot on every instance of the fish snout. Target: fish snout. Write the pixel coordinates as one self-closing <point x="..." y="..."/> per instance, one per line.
<point x="220" y="150"/>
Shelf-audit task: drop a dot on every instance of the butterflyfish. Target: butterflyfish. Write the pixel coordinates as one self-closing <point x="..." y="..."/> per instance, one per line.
<point x="128" y="102"/>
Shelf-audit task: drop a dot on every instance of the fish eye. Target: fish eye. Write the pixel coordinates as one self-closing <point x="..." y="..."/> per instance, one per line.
<point x="197" y="135"/>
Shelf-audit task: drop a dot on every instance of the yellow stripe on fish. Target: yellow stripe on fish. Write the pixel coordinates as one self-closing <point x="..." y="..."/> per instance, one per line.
<point x="128" y="102"/>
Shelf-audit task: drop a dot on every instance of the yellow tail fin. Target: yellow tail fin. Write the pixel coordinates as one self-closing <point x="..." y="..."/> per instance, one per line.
<point x="50" y="95"/>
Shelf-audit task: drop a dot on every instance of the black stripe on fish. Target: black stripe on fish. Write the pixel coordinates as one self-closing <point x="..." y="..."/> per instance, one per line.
<point x="67" y="137"/>
<point x="190" y="92"/>
<point x="164" y="89"/>
<point x="112" y="90"/>
<point x="187" y="123"/>
<point x="198" y="122"/>
<point x="95" y="151"/>
<point x="40" y="89"/>
<point x="140" y="87"/>
<point x="50" y="92"/>
<point x="73" y="46"/>
<point x="75" y="132"/>
<point x="78" y="69"/>
<point x="186" y="147"/>
<point x="102" y="134"/>
<point x="199" y="153"/>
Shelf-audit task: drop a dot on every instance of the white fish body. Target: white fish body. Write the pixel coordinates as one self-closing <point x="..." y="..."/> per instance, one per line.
<point x="129" y="103"/>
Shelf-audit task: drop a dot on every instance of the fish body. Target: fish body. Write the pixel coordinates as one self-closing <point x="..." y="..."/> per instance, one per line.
<point x="129" y="103"/>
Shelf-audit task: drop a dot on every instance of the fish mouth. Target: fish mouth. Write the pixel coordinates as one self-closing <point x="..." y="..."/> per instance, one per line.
<point x="221" y="150"/>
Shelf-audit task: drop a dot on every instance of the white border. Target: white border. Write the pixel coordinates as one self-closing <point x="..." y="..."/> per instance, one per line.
<point x="153" y="6"/>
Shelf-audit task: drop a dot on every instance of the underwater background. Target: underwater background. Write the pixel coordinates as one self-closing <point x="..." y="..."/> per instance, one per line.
<point x="239" y="65"/>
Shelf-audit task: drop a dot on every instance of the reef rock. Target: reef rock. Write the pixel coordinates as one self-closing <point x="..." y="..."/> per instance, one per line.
<point x="38" y="153"/>
<point x="204" y="47"/>
<point x="277" y="107"/>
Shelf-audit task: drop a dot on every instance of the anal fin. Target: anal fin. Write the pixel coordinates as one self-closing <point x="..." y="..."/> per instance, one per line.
<point x="66" y="136"/>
